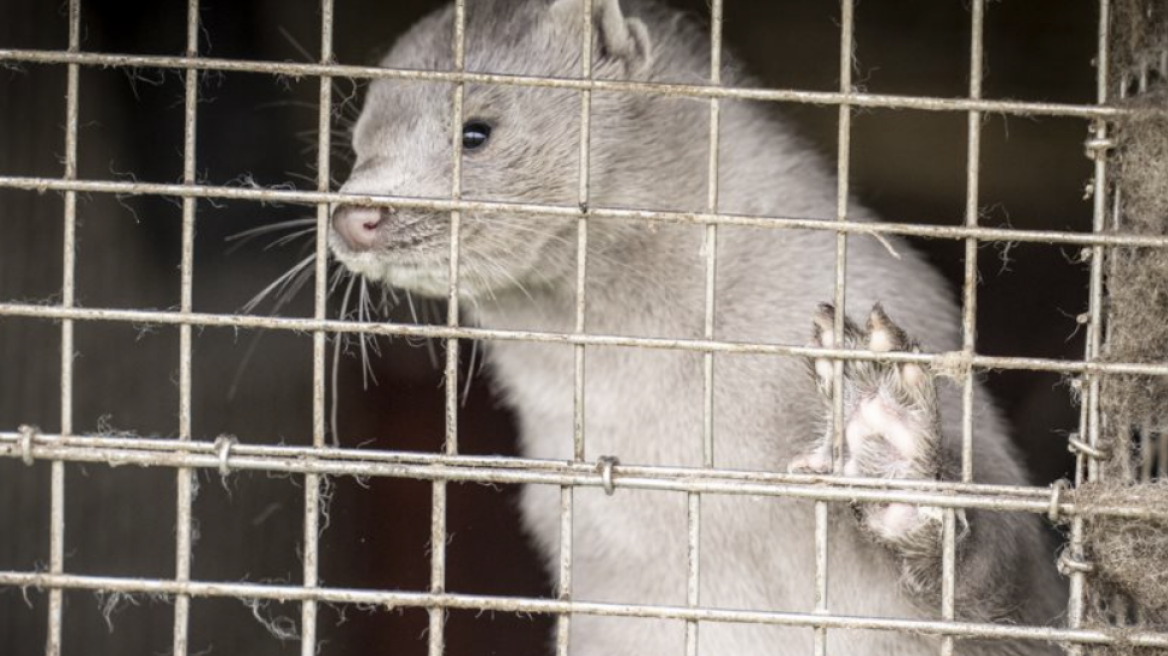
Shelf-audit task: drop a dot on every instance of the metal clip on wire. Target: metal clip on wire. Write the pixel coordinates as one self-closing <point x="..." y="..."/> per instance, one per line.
<point x="27" y="435"/>
<point x="604" y="465"/>
<point x="1076" y="445"/>
<point x="1056" y="493"/>
<point x="1068" y="564"/>
<point x="1096" y="147"/>
<point x="223" y="445"/>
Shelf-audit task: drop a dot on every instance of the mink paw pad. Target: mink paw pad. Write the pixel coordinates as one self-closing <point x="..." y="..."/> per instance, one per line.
<point x="891" y="422"/>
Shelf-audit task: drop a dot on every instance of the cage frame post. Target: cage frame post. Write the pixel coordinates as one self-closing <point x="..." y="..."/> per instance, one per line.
<point x="563" y="628"/>
<point x="436" y="633"/>
<point x="847" y="58"/>
<point x="185" y="482"/>
<point x="968" y="317"/>
<point x="68" y="300"/>
<point x="710" y="252"/>
<point x="1086" y="467"/>
<point x="313" y="481"/>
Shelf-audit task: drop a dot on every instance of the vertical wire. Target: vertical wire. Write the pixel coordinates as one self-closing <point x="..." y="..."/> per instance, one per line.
<point x="452" y="316"/>
<point x="1123" y="422"/>
<point x="567" y="495"/>
<point x="437" y="630"/>
<point x="843" y="165"/>
<point x="1162" y="456"/>
<point x="710" y="250"/>
<point x="1147" y="453"/>
<point x="711" y="236"/>
<point x="693" y="562"/>
<point x="821" y="550"/>
<point x="185" y="476"/>
<point x="1086" y="468"/>
<point x="968" y="317"/>
<point x="972" y="192"/>
<point x="564" y="621"/>
<point x="1098" y="226"/>
<point x="312" y="482"/>
<point x="68" y="297"/>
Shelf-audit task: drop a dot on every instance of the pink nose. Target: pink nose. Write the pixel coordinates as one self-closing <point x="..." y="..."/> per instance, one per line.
<point x="359" y="227"/>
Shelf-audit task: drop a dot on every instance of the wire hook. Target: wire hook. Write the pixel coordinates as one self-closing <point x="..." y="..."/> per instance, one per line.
<point x="1056" y="493"/>
<point x="604" y="465"/>
<point x="223" y="445"/>
<point x="27" y="435"/>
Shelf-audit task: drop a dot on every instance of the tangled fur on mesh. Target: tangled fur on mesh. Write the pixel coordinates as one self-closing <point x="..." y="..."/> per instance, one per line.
<point x="1138" y="281"/>
<point x="1130" y="555"/>
<point x="1129" y="585"/>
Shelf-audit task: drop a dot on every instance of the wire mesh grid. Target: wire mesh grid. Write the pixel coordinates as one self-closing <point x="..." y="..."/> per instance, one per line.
<point x="315" y="463"/>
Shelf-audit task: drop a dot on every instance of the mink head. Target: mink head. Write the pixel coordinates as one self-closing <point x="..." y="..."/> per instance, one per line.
<point x="519" y="143"/>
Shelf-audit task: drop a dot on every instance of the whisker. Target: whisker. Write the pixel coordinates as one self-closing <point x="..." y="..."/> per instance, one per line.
<point x="279" y="282"/>
<point x="335" y="278"/>
<point x="413" y="309"/>
<point x="292" y="287"/>
<point x="283" y="299"/>
<point x="287" y="239"/>
<point x="312" y="179"/>
<point x="419" y="320"/>
<point x="271" y="227"/>
<point x="337" y="344"/>
<point x="244" y="236"/>
<point x="363" y="316"/>
<point x="286" y="286"/>
<point x="431" y="350"/>
<point x="308" y="57"/>
<point x="372" y="309"/>
<point x="276" y="104"/>
<point x="474" y="349"/>
<point x="495" y="266"/>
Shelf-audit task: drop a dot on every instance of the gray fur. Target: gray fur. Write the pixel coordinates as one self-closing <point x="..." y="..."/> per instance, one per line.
<point x="646" y="406"/>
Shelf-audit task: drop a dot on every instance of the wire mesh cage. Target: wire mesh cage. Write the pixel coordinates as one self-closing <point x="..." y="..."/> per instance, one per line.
<point x="206" y="459"/>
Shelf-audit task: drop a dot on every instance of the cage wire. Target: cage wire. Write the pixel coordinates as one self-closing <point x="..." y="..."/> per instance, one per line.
<point x="1116" y="508"/>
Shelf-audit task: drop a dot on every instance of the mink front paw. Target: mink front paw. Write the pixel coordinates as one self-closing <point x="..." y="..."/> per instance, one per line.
<point x="891" y="420"/>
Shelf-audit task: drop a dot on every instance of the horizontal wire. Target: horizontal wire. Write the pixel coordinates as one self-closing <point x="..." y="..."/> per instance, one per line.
<point x="442" y="467"/>
<point x="118" y="451"/>
<point x="942" y="361"/>
<point x="477" y="469"/>
<point x="525" y="605"/>
<point x="296" y="70"/>
<point x="930" y="231"/>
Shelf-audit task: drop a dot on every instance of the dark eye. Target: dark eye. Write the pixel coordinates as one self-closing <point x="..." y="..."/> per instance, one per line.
<point x="475" y="134"/>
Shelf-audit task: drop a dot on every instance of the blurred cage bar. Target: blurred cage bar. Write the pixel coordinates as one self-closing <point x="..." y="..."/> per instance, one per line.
<point x="320" y="461"/>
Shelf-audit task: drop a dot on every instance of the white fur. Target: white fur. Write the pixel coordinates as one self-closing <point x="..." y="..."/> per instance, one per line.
<point x="645" y="406"/>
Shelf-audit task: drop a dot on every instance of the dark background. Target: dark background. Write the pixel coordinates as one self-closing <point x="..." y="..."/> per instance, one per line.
<point x="908" y="165"/>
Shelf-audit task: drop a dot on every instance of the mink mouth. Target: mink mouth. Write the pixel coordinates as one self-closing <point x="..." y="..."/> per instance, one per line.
<point x="401" y="238"/>
<point x="414" y="255"/>
<point x="409" y="242"/>
<point x="417" y="252"/>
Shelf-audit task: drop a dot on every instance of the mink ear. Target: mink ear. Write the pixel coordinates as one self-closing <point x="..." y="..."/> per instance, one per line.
<point x="621" y="39"/>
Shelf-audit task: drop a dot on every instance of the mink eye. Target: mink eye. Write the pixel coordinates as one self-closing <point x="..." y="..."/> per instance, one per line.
<point x="475" y="134"/>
